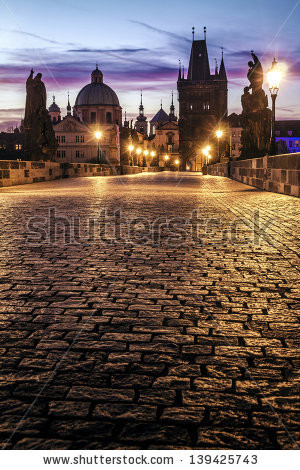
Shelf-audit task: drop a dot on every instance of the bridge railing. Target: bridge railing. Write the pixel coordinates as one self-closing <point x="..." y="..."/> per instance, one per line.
<point x="278" y="173"/>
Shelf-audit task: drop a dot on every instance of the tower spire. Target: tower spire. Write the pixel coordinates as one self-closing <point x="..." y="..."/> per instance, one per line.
<point x="69" y="106"/>
<point x="179" y="70"/>
<point x="204" y="33"/>
<point x="216" y="67"/>
<point x="141" y="108"/>
<point x="222" y="71"/>
<point x="172" y="109"/>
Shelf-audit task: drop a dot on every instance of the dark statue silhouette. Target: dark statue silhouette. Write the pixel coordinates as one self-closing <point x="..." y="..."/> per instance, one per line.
<point x="40" y="142"/>
<point x="256" y="116"/>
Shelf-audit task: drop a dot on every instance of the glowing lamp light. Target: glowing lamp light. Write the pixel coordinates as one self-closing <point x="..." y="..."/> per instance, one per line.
<point x="177" y="162"/>
<point x="98" y="135"/>
<point x="130" y="148"/>
<point x="138" y="151"/>
<point x="152" y="154"/>
<point x="219" y="134"/>
<point x="146" y="153"/>
<point x="167" y="157"/>
<point x="274" y="76"/>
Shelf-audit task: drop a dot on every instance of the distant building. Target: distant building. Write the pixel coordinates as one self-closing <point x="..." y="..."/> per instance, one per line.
<point x="202" y="103"/>
<point x="97" y="110"/>
<point x="12" y="145"/>
<point x="288" y="136"/>
<point x="234" y="135"/>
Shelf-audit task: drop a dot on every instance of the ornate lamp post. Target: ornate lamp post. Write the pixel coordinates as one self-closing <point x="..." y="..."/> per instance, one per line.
<point x="138" y="152"/>
<point x="274" y="76"/>
<point x="98" y="136"/>
<point x="219" y="134"/>
<point x="166" y="157"/>
<point x="205" y="151"/>
<point x="130" y="148"/>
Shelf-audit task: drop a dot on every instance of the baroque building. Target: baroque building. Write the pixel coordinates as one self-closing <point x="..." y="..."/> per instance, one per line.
<point x="97" y="113"/>
<point x="202" y="103"/>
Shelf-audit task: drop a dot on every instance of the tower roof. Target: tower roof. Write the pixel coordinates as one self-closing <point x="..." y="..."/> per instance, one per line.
<point x="53" y="107"/>
<point x="161" y="116"/>
<point x="199" y="64"/>
<point x="222" y="72"/>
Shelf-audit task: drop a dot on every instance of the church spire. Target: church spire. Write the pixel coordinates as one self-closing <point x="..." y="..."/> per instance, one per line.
<point x="172" y="110"/>
<point x="141" y="108"/>
<point x="216" y="68"/>
<point x="69" y="106"/>
<point x="222" y="71"/>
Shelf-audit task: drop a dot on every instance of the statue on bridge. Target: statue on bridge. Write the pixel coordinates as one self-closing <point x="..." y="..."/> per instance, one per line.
<point x="256" y="116"/>
<point x="40" y="142"/>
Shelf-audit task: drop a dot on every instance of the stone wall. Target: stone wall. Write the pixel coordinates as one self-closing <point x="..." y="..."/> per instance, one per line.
<point x="279" y="173"/>
<point x="18" y="172"/>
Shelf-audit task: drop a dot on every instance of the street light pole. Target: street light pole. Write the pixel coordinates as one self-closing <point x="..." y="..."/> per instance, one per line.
<point x="274" y="76"/>
<point x="219" y="134"/>
<point x="98" y="137"/>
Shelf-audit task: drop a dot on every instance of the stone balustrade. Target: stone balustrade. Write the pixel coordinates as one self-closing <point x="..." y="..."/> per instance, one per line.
<point x="279" y="173"/>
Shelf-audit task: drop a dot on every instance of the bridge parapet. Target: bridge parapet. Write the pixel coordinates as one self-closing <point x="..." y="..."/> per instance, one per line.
<point x="278" y="173"/>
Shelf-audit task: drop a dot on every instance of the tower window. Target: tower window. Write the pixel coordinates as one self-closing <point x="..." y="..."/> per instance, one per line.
<point x="108" y="118"/>
<point x="93" y="118"/>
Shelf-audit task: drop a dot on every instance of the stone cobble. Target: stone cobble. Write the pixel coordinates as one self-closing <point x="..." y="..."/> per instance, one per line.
<point x="117" y="344"/>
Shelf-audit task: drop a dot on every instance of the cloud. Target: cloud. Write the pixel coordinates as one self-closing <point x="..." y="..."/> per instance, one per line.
<point x="36" y="36"/>
<point x="100" y="51"/>
<point x="162" y="31"/>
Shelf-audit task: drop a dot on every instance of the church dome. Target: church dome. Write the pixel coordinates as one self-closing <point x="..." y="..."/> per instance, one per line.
<point x="96" y="92"/>
<point x="53" y="107"/>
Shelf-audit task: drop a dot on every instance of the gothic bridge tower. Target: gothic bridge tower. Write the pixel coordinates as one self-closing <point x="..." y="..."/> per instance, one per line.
<point x="202" y="102"/>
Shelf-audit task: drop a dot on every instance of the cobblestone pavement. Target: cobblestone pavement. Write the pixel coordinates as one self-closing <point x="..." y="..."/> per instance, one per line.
<point x="153" y="345"/>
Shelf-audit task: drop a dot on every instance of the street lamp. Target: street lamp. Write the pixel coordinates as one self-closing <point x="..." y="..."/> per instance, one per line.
<point x="219" y="134"/>
<point x="138" y="152"/>
<point x="131" y="148"/>
<point x="274" y="76"/>
<point x="152" y="154"/>
<point x="177" y="163"/>
<point x="98" y="136"/>
<point x="166" y="157"/>
<point x="205" y="151"/>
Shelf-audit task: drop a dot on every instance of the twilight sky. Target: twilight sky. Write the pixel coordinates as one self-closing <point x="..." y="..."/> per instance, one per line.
<point x="137" y="46"/>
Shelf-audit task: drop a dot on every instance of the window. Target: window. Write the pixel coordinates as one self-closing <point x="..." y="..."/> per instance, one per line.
<point x="233" y="134"/>
<point x="93" y="118"/>
<point x="233" y="146"/>
<point x="58" y="138"/>
<point x="63" y="139"/>
<point x="108" y="118"/>
<point x="290" y="133"/>
<point x="82" y="138"/>
<point x="77" y="138"/>
<point x="290" y="143"/>
<point x="18" y="146"/>
<point x="277" y="133"/>
<point x="82" y="154"/>
<point x="297" y="143"/>
<point x="58" y="153"/>
<point x="77" y="153"/>
<point x="63" y="154"/>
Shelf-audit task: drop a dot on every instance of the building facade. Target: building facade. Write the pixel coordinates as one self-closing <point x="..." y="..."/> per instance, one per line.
<point x="202" y="104"/>
<point x="91" y="134"/>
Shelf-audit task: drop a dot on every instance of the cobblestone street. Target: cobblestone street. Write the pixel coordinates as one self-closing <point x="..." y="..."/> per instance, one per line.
<point x="162" y="343"/>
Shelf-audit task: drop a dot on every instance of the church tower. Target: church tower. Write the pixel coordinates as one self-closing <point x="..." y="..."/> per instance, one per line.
<point x="54" y="112"/>
<point x="141" y="124"/>
<point x="202" y="102"/>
